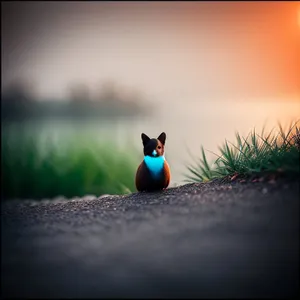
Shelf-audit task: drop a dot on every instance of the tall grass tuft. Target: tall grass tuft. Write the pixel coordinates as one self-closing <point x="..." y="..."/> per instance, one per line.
<point x="77" y="168"/>
<point x="254" y="154"/>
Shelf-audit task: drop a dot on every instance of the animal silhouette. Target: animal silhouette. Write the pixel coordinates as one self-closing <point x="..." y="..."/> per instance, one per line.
<point x="153" y="174"/>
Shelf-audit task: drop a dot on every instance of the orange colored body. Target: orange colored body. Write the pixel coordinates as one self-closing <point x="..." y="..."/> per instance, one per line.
<point x="144" y="181"/>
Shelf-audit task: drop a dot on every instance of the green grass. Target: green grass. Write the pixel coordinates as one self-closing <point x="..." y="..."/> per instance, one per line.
<point x="256" y="153"/>
<point x="79" y="167"/>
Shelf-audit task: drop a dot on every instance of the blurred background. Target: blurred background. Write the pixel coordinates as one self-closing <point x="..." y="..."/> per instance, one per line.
<point x="82" y="80"/>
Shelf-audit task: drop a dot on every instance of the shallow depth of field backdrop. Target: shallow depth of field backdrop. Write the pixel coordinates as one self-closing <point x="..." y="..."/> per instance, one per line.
<point x="82" y="80"/>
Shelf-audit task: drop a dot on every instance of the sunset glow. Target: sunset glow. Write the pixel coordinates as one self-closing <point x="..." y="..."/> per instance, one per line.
<point x="299" y="16"/>
<point x="215" y="67"/>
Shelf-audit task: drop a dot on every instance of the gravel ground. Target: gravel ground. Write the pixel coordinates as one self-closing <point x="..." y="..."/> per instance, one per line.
<point x="232" y="240"/>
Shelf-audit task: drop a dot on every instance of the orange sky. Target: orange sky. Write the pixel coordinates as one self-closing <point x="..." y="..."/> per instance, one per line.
<point x="167" y="50"/>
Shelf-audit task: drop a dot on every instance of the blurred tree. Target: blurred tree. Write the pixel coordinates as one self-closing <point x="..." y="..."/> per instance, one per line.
<point x="79" y="93"/>
<point x="17" y="100"/>
<point x="19" y="91"/>
<point x="108" y="92"/>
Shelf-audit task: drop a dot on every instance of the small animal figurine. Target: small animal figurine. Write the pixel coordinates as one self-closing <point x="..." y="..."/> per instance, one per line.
<point x="153" y="174"/>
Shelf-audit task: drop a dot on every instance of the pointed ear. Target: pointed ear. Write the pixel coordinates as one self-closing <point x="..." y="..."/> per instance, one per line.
<point x="145" y="138"/>
<point x="162" y="138"/>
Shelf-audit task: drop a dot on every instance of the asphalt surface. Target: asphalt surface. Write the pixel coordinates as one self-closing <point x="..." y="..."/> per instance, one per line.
<point x="199" y="240"/>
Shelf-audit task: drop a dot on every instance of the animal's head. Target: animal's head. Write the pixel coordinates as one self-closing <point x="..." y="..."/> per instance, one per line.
<point x="154" y="147"/>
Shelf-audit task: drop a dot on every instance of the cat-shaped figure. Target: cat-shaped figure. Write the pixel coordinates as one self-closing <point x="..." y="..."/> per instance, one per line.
<point x="153" y="174"/>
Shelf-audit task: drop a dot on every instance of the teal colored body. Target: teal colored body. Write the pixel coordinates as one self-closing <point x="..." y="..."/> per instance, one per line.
<point x="155" y="165"/>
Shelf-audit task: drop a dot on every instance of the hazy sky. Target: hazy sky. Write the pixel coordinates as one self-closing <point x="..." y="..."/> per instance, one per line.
<point x="168" y="50"/>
